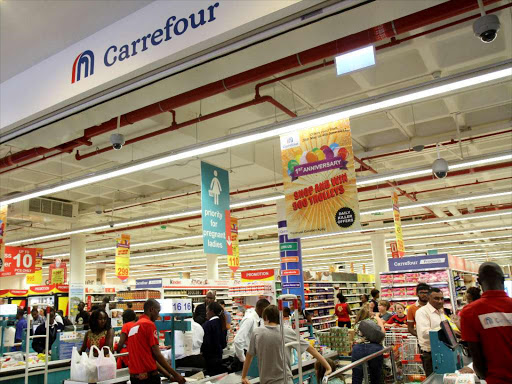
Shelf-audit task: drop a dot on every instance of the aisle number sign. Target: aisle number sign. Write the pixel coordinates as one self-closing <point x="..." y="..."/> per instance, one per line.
<point x="320" y="180"/>
<point x="398" y="227"/>
<point x="234" y="260"/>
<point x="3" y="228"/>
<point x="18" y="261"/>
<point x="123" y="257"/>
<point x="36" y="278"/>
<point x="215" y="210"/>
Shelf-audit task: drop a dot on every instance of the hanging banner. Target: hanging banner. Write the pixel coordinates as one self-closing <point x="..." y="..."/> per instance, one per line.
<point x="19" y="261"/>
<point x="234" y="260"/>
<point x="3" y="228"/>
<point x="394" y="249"/>
<point x="123" y="257"/>
<point x="58" y="272"/>
<point x="398" y="227"/>
<point x="215" y="210"/>
<point x="320" y="180"/>
<point x="36" y="278"/>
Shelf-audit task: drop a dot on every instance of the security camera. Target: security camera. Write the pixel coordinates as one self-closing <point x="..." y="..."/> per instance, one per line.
<point x="117" y="141"/>
<point x="486" y="28"/>
<point x="98" y="210"/>
<point x="111" y="223"/>
<point x="440" y="168"/>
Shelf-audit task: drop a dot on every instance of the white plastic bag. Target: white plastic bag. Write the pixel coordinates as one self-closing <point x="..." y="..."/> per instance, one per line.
<point x="82" y="368"/>
<point x="106" y="365"/>
<point x="92" y="363"/>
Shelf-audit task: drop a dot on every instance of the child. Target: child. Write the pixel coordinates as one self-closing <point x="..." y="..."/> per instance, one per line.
<point x="286" y="317"/>
<point x="400" y="319"/>
<point x="384" y="313"/>
<point x="320" y="373"/>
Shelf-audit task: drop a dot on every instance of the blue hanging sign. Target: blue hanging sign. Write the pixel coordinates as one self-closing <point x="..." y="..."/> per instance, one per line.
<point x="215" y="210"/>
<point x="148" y="283"/>
<point x="418" y="262"/>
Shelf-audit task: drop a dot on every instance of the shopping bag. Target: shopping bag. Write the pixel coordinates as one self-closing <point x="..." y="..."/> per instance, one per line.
<point x="106" y="365"/>
<point x="92" y="364"/>
<point x="82" y="369"/>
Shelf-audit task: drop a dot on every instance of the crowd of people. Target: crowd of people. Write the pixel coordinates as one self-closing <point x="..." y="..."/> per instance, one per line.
<point x="484" y="325"/>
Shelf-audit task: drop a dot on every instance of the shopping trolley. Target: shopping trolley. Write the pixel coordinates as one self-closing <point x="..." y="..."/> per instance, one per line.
<point x="411" y="361"/>
<point x="290" y="299"/>
<point x="394" y="339"/>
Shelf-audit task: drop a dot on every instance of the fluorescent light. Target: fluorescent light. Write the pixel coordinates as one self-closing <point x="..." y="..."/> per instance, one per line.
<point x="355" y="60"/>
<point x="441" y="202"/>
<point x="386" y="101"/>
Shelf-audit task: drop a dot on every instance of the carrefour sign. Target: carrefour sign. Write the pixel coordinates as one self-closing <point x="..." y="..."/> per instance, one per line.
<point x="83" y="65"/>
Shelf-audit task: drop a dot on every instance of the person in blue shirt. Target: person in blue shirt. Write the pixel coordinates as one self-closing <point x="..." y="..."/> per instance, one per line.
<point x="21" y="324"/>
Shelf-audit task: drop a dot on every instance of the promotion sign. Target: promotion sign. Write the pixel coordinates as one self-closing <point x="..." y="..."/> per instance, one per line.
<point x="3" y="227"/>
<point x="37" y="277"/>
<point x="215" y="210"/>
<point x="234" y="260"/>
<point x="394" y="250"/>
<point x="258" y="275"/>
<point x="18" y="261"/>
<point x="123" y="257"/>
<point x="320" y="180"/>
<point x="398" y="226"/>
<point x="58" y="272"/>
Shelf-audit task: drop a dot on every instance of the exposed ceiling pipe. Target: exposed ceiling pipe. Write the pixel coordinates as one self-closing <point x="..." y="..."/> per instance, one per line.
<point x="373" y="35"/>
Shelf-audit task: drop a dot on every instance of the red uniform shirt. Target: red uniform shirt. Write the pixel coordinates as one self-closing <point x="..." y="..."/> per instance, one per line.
<point x="488" y="321"/>
<point x="141" y="338"/>
<point x="341" y="310"/>
<point x="125" y="359"/>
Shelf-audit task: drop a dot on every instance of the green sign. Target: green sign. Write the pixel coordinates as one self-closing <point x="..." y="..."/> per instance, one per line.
<point x="288" y="247"/>
<point x="432" y="252"/>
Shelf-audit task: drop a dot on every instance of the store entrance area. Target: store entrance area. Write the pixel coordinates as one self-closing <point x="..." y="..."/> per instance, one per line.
<point x="268" y="192"/>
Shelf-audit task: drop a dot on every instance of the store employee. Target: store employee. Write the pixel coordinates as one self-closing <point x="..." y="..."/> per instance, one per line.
<point x="144" y="349"/>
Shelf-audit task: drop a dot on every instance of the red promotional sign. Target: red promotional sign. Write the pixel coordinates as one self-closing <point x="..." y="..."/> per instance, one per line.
<point x="394" y="250"/>
<point x="290" y="272"/>
<point x="263" y="274"/>
<point x="19" y="261"/>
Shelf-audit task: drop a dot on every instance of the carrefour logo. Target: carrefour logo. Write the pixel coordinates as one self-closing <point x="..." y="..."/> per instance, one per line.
<point x="84" y="63"/>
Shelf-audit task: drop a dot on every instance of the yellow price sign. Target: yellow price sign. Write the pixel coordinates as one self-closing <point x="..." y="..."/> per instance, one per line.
<point x="57" y="276"/>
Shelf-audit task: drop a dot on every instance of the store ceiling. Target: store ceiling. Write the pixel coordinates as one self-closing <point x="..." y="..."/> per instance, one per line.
<point x="483" y="115"/>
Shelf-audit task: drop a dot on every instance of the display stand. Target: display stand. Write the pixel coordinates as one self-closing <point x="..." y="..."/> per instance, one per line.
<point x="136" y="296"/>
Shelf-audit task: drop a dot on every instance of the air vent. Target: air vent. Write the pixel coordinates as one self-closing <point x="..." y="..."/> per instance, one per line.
<point x="51" y="207"/>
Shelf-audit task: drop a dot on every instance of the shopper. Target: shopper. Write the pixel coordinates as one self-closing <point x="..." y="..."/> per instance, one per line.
<point x="65" y="319"/>
<point x="364" y="299"/>
<point x="82" y="318"/>
<point x="342" y="311"/>
<point x="487" y="327"/>
<point x="214" y="340"/>
<point x="399" y="319"/>
<point x="375" y="295"/>
<point x="428" y="318"/>
<point x="321" y="372"/>
<point x="363" y="347"/>
<point x="21" y="326"/>
<point x="286" y="316"/>
<point x="194" y="359"/>
<point x="383" y="310"/>
<point x="252" y="319"/>
<point x="200" y="311"/>
<point x="472" y="294"/>
<point x="226" y="313"/>
<point x="422" y="290"/>
<point x="129" y="320"/>
<point x="266" y="344"/>
<point x="304" y="315"/>
<point x="100" y="333"/>
<point x="144" y="349"/>
<point x="39" y="344"/>
<point x="37" y="319"/>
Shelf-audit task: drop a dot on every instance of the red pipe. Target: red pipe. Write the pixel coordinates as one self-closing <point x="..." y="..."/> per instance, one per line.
<point x="174" y="126"/>
<point x="391" y="29"/>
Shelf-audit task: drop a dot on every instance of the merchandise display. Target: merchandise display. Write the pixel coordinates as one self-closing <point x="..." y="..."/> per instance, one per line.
<point x="136" y="297"/>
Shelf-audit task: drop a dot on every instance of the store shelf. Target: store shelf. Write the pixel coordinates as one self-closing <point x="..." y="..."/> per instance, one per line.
<point x="319" y="301"/>
<point x="314" y="308"/>
<point x="316" y="294"/>
<point x="322" y="317"/>
<point x="399" y="285"/>
<point x="325" y="322"/>
<point x="408" y="298"/>
<point x="121" y="300"/>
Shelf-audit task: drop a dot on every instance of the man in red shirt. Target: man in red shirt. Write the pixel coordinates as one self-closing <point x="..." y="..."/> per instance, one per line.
<point x="144" y="349"/>
<point x="487" y="327"/>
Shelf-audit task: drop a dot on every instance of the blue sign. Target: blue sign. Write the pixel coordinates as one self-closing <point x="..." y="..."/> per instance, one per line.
<point x="215" y="210"/>
<point x="418" y="262"/>
<point x="290" y="285"/>
<point x="148" y="283"/>
<point x="292" y="280"/>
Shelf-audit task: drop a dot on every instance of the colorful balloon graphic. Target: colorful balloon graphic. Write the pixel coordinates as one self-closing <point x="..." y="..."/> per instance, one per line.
<point x="311" y="157"/>
<point x="327" y="152"/>
<point x="292" y="164"/>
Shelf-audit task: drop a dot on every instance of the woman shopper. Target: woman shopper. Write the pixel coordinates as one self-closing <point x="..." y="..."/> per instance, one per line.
<point x="343" y="311"/>
<point x="266" y="344"/>
<point x="363" y="347"/>
<point x="100" y="333"/>
<point x="214" y="340"/>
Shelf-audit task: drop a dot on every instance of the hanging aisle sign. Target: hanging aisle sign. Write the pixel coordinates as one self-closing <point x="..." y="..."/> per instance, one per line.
<point x="319" y="180"/>
<point x="58" y="272"/>
<point x="123" y="257"/>
<point x="398" y="227"/>
<point x="215" y="210"/>
<point x="36" y="278"/>
<point x="3" y="227"/>
<point x="234" y="260"/>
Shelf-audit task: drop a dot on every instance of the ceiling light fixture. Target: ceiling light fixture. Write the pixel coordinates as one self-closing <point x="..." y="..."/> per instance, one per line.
<point x="392" y="99"/>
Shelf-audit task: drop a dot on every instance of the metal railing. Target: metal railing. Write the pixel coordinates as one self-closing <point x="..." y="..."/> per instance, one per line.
<point x="364" y="362"/>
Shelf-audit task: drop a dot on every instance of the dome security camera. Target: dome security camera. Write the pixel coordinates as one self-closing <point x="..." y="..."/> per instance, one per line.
<point x="486" y="28"/>
<point x="440" y="168"/>
<point x="117" y="141"/>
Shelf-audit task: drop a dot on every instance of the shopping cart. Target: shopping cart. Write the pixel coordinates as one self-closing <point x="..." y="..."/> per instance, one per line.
<point x="411" y="361"/>
<point x="394" y="339"/>
<point x="290" y="299"/>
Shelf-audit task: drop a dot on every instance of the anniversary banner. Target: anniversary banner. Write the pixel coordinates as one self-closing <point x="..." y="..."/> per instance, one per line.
<point x="320" y="180"/>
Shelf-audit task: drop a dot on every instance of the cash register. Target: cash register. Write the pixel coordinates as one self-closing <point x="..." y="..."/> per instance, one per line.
<point x="447" y="355"/>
